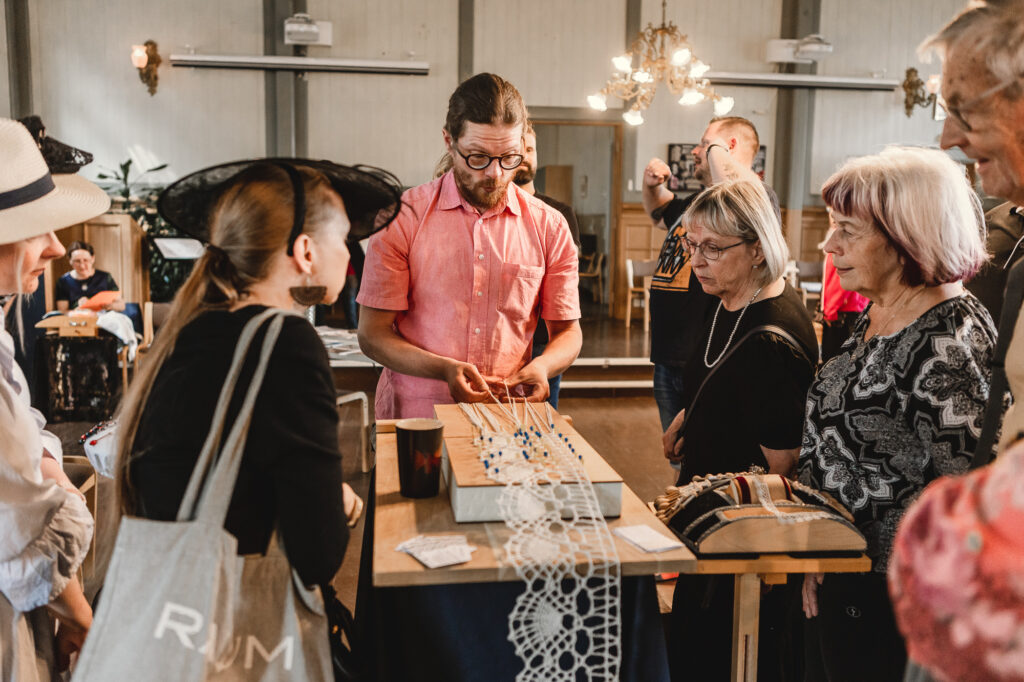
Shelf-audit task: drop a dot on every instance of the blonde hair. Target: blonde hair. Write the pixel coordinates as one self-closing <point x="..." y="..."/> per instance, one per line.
<point x="740" y="208"/>
<point x="991" y="29"/>
<point x="250" y="226"/>
<point x="921" y="200"/>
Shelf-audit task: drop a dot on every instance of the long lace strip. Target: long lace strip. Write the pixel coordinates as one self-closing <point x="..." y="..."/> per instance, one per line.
<point x="566" y="625"/>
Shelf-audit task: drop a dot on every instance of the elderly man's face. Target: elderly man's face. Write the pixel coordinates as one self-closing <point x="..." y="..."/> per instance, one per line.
<point x="996" y="138"/>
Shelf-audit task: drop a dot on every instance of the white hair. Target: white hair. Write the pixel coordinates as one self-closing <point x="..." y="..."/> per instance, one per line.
<point x="921" y="200"/>
<point x="991" y="29"/>
<point x="741" y="208"/>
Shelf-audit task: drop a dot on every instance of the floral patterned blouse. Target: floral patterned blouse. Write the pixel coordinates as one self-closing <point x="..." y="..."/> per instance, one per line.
<point x="888" y="415"/>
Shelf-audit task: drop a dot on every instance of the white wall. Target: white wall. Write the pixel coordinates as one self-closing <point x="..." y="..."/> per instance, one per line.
<point x="555" y="52"/>
<point x="872" y="36"/>
<point x="89" y="94"/>
<point x="5" y="82"/>
<point x="730" y="35"/>
<point x="389" y="121"/>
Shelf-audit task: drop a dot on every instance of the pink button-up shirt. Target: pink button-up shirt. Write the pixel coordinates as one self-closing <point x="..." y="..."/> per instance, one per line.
<point x="468" y="286"/>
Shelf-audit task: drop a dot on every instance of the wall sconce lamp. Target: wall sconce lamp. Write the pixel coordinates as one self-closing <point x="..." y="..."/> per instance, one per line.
<point x="146" y="59"/>
<point x="918" y="92"/>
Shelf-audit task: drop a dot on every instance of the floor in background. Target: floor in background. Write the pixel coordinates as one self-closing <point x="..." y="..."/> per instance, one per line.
<point x="604" y="337"/>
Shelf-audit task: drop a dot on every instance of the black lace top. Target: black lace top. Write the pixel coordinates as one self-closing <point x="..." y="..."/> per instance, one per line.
<point x="888" y="415"/>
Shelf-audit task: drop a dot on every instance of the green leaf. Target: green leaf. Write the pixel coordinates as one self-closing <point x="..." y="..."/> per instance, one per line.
<point x="157" y="168"/>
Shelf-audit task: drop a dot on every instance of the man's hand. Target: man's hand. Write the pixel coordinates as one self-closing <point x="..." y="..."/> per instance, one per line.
<point x="531" y="382"/>
<point x="70" y="640"/>
<point x="656" y="173"/>
<point x="465" y="382"/>
<point x="670" y="441"/>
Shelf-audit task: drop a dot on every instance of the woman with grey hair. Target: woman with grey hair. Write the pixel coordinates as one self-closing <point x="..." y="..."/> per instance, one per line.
<point x="903" y="401"/>
<point x="746" y="387"/>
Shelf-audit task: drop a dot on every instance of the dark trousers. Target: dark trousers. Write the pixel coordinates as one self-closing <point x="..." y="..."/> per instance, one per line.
<point x="700" y="632"/>
<point x="554" y="383"/>
<point x="668" y="393"/>
<point x="854" y="635"/>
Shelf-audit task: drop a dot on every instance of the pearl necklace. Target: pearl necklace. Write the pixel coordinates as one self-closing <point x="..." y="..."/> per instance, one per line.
<point x="736" y="326"/>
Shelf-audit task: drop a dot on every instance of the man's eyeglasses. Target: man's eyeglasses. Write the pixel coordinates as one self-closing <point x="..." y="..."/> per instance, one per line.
<point x="482" y="161"/>
<point x="955" y="112"/>
<point x="710" y="252"/>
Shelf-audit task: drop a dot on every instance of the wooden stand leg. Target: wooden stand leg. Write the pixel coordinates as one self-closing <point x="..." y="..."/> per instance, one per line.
<point x="745" y="614"/>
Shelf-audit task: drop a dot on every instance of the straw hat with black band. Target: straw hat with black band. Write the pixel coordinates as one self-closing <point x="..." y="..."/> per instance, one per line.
<point x="34" y="201"/>
<point x="372" y="196"/>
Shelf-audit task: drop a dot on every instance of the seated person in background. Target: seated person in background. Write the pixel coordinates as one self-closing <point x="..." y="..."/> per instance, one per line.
<point x="84" y="281"/>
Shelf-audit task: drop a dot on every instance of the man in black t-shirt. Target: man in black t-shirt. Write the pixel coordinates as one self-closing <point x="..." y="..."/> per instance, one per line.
<point x="524" y="177"/>
<point x="679" y="307"/>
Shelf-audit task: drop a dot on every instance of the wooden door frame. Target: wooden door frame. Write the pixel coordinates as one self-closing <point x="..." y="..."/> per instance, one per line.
<point x="615" y="209"/>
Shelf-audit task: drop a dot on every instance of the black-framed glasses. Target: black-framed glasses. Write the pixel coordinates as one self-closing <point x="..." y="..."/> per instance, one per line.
<point x="955" y="112"/>
<point x="710" y="252"/>
<point x="482" y="161"/>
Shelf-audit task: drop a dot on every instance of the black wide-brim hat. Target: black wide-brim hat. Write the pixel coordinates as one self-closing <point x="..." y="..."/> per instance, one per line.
<point x="372" y="196"/>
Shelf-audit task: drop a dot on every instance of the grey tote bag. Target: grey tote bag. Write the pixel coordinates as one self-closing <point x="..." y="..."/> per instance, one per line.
<point x="179" y="604"/>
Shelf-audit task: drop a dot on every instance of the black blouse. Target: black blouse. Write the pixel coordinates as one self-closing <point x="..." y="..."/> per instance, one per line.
<point x="291" y="468"/>
<point x="756" y="397"/>
<point x="888" y="415"/>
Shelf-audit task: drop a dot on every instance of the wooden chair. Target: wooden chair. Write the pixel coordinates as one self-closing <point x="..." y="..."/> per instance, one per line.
<point x="344" y="397"/>
<point x="592" y="270"/>
<point x="83" y="477"/>
<point x="643" y="269"/>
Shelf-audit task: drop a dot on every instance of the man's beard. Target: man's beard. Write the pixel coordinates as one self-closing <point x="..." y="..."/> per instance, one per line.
<point x="703" y="174"/>
<point x="524" y="174"/>
<point x="477" y="192"/>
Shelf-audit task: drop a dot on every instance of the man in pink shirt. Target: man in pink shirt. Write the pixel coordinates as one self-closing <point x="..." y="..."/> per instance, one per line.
<point x="453" y="290"/>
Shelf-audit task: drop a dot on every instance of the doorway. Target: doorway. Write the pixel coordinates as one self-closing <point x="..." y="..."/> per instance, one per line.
<point x="580" y="164"/>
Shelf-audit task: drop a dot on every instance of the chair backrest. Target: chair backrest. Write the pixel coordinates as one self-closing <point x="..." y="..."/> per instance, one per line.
<point x="639" y="268"/>
<point x="630" y="280"/>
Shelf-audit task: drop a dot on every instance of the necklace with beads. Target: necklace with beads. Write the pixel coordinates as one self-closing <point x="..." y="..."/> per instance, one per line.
<point x="707" y="349"/>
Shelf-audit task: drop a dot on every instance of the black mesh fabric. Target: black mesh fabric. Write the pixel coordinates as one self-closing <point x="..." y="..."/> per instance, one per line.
<point x="59" y="157"/>
<point x="372" y="196"/>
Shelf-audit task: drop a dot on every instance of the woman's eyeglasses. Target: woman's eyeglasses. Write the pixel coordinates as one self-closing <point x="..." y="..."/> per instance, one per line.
<point x="710" y="252"/>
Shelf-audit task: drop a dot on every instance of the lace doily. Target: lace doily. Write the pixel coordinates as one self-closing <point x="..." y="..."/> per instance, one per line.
<point x="566" y="624"/>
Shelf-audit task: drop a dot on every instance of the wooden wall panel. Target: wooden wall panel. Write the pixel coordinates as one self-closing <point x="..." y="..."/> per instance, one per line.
<point x="556" y="53"/>
<point x="90" y="95"/>
<point x="385" y="120"/>
<point x="872" y="37"/>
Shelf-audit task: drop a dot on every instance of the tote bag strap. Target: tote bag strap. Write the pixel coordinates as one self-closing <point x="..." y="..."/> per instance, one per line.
<point x="1012" y="298"/>
<point x="211" y="475"/>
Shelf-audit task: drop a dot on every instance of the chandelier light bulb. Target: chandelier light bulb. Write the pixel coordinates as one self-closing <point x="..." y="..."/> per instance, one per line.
<point x="698" y="69"/>
<point x="623" y="63"/>
<point x="633" y="117"/>
<point x="139" y="56"/>
<point x="724" y="105"/>
<point x="598" y="102"/>
<point x="681" y="56"/>
<point x="642" y="76"/>
<point x="690" y="96"/>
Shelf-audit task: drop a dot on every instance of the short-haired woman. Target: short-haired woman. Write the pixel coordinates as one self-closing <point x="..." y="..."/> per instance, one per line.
<point x="84" y="281"/>
<point x="903" y="401"/>
<point x="749" y="412"/>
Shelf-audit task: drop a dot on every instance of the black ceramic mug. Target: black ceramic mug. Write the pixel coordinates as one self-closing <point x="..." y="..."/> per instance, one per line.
<point x="419" y="456"/>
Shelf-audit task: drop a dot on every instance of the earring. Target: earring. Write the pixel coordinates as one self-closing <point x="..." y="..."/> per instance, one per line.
<point x="307" y="295"/>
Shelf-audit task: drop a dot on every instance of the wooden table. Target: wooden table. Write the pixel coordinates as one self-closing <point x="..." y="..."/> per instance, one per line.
<point x="399" y="519"/>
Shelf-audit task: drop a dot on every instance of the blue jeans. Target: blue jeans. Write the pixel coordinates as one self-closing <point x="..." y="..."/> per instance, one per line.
<point x="668" y="393"/>
<point x="554" y="383"/>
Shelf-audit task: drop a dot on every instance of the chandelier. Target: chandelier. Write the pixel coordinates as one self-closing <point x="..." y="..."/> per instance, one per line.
<point x="664" y="54"/>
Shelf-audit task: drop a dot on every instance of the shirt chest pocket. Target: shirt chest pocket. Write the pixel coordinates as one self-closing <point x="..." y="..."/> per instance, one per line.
<point x="520" y="286"/>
